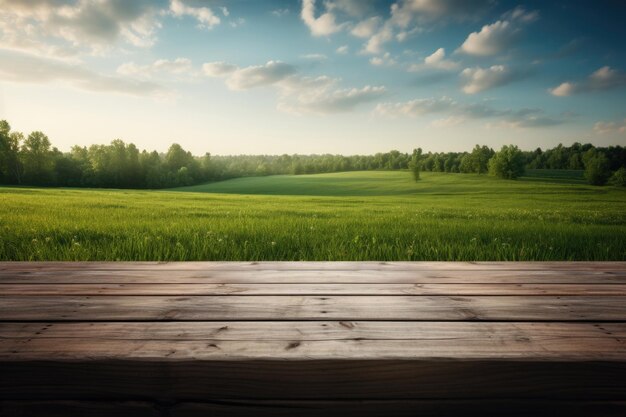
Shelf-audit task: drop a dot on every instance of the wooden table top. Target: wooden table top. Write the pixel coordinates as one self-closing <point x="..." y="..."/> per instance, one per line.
<point x="305" y="331"/>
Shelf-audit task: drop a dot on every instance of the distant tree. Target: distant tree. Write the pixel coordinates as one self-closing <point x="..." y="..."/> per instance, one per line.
<point x="507" y="163"/>
<point x="597" y="169"/>
<point x="414" y="164"/>
<point x="479" y="159"/>
<point x="177" y="157"/>
<point x="619" y="177"/>
<point x="11" y="168"/>
<point x="38" y="159"/>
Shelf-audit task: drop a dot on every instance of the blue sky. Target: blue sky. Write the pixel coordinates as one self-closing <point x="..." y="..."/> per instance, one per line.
<point x="336" y="76"/>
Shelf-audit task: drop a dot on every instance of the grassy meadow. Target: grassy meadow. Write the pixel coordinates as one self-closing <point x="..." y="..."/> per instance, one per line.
<point x="374" y="215"/>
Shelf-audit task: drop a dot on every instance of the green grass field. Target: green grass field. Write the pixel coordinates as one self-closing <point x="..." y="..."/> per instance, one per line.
<point x="343" y="216"/>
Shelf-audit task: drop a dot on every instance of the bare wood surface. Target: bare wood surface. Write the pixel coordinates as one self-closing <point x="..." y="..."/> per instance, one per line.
<point x="324" y="266"/>
<point x="264" y="276"/>
<point x="311" y="289"/>
<point x="185" y="308"/>
<point x="310" y="338"/>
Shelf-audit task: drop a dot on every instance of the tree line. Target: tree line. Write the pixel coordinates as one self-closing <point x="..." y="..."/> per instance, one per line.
<point x="32" y="160"/>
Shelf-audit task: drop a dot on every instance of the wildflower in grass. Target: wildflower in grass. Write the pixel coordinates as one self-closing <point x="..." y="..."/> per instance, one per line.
<point x="48" y="239"/>
<point x="34" y="241"/>
<point x="273" y="243"/>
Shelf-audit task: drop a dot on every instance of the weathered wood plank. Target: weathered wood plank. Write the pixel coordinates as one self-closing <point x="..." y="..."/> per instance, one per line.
<point x="303" y="266"/>
<point x="93" y="276"/>
<point x="277" y="408"/>
<point x="583" y="336"/>
<point x="312" y="379"/>
<point x="450" y="341"/>
<point x="183" y="308"/>
<point x="312" y="289"/>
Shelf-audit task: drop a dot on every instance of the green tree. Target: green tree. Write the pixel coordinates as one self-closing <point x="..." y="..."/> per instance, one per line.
<point x="479" y="159"/>
<point x="507" y="163"/>
<point x="10" y="164"/>
<point x="597" y="169"/>
<point x="38" y="159"/>
<point x="619" y="177"/>
<point x="177" y="157"/>
<point x="414" y="164"/>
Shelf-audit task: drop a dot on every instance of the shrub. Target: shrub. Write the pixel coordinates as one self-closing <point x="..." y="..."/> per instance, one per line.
<point x="597" y="170"/>
<point x="619" y="177"/>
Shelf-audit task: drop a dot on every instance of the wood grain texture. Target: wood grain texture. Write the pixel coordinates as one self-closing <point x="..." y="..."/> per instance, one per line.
<point x="324" y="266"/>
<point x="185" y="308"/>
<point x="310" y="338"/>
<point x="311" y="289"/>
<point x="263" y="276"/>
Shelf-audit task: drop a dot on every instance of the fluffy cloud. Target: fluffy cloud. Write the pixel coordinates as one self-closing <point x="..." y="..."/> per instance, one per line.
<point x="62" y="27"/>
<point x="438" y="60"/>
<point x="366" y="28"/>
<point x="323" y="25"/>
<point x="499" y="36"/>
<point x="259" y="75"/>
<point x="458" y="113"/>
<point x="480" y="79"/>
<point x="342" y="50"/>
<point x="21" y="67"/>
<point x="602" y="79"/>
<point x="218" y="69"/>
<point x="417" y="107"/>
<point x="297" y="93"/>
<point x="249" y="77"/>
<point x="205" y="16"/>
<point x="406" y="10"/>
<point x="326" y="100"/>
<point x="176" y="67"/>
<point x="375" y="44"/>
<point x="610" y="127"/>
<point x="355" y="8"/>
<point x="385" y="60"/>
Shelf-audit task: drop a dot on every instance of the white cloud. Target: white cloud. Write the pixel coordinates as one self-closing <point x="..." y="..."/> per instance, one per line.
<point x="491" y="39"/>
<point x="218" y="69"/>
<point x="384" y="60"/>
<point x="354" y="8"/>
<point x="438" y="60"/>
<point x="297" y="94"/>
<point x="64" y="27"/>
<point x="603" y="128"/>
<point x="342" y="50"/>
<point x="417" y="107"/>
<point x="205" y="16"/>
<point x="259" y="75"/>
<point x="366" y="28"/>
<point x="499" y="36"/>
<point x="480" y="79"/>
<point x="314" y="57"/>
<point x="22" y="67"/>
<point x="375" y="44"/>
<point x="436" y="9"/>
<point x="602" y="79"/>
<point x="225" y="11"/>
<point x="323" y="25"/>
<point x="327" y="100"/>
<point x="458" y="113"/>
<point x="249" y="77"/>
<point x="280" y="12"/>
<point x="177" y="66"/>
